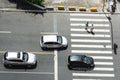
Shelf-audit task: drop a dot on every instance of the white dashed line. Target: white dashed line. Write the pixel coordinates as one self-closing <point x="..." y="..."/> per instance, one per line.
<point x="5" y="32"/>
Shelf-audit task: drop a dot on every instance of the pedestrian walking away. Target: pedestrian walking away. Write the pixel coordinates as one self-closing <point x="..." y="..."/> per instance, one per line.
<point x="91" y="29"/>
<point x="87" y="24"/>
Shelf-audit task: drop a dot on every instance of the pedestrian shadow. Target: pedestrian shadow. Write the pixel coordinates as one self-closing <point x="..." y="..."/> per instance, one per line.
<point x="90" y="32"/>
<point x="115" y="46"/>
<point x="21" y="4"/>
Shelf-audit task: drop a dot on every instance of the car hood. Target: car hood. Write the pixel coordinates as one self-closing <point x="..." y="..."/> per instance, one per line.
<point x="64" y="40"/>
<point x="31" y="58"/>
<point x="89" y="60"/>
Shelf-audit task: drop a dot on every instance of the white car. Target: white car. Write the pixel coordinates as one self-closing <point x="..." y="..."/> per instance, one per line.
<point x="53" y="41"/>
<point x="19" y="59"/>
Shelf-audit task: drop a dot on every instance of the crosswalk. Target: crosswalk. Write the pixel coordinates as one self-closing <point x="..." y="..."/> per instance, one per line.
<point x="97" y="45"/>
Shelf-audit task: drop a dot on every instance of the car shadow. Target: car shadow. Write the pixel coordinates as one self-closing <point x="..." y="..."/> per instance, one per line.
<point x="21" y="4"/>
<point x="52" y="49"/>
<point x="20" y="67"/>
<point x="82" y="69"/>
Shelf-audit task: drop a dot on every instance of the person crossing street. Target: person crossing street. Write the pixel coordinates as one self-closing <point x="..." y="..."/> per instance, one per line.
<point x="91" y="29"/>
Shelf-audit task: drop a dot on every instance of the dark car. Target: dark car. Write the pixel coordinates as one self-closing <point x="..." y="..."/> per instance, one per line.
<point x="80" y="62"/>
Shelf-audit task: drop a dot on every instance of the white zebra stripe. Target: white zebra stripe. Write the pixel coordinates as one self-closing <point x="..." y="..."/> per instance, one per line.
<point x="91" y="15"/>
<point x="91" y="40"/>
<point x="93" y="74"/>
<point x="102" y="57"/>
<point x="90" y="20"/>
<point x="95" y="30"/>
<point x="103" y="69"/>
<point x="103" y="63"/>
<point x="91" y="51"/>
<point x="95" y="25"/>
<point x="91" y="46"/>
<point x="89" y="35"/>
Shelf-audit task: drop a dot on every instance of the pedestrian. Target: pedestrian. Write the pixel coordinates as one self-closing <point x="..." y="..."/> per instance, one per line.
<point x="91" y="29"/>
<point x="87" y="24"/>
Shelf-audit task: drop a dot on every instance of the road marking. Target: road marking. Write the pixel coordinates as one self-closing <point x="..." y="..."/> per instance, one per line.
<point x="87" y="79"/>
<point x="103" y="69"/>
<point x="26" y="72"/>
<point x="103" y="63"/>
<point x="45" y="52"/>
<point x="95" y="25"/>
<point x="95" y="30"/>
<point x="91" y="46"/>
<point x="89" y="35"/>
<point x="91" y="40"/>
<point x="55" y="65"/>
<point x="91" y="51"/>
<point x="42" y="52"/>
<point x="93" y="74"/>
<point x="102" y="57"/>
<point x="5" y="32"/>
<point x="91" y="15"/>
<point x="45" y="33"/>
<point x="91" y="20"/>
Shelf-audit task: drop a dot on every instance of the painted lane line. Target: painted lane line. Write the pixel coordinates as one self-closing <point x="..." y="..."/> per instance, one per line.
<point x="90" y="46"/>
<point x="95" y="30"/>
<point x="50" y="52"/>
<point x="42" y="52"/>
<point x="5" y="32"/>
<point x="91" y="51"/>
<point x="55" y="65"/>
<point x="87" y="79"/>
<point x="102" y="57"/>
<point x="103" y="63"/>
<point x="26" y="72"/>
<point x="91" y="15"/>
<point x="89" y="35"/>
<point x="103" y="69"/>
<point x="95" y="25"/>
<point x="91" y="20"/>
<point x="43" y="33"/>
<point x="93" y="74"/>
<point x="91" y="40"/>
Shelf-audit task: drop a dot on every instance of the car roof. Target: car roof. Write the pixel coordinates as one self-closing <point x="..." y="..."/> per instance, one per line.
<point x="77" y="58"/>
<point x="14" y="56"/>
<point x="49" y="38"/>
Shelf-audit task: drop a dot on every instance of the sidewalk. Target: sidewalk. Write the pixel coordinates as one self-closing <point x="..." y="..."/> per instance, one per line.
<point x="100" y="4"/>
<point x="76" y="3"/>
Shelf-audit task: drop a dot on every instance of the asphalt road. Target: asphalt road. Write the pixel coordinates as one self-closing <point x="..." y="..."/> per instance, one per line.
<point x="116" y="40"/>
<point x="21" y="31"/>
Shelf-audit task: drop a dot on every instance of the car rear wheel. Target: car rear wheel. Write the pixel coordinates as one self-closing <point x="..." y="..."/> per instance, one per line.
<point x="70" y="67"/>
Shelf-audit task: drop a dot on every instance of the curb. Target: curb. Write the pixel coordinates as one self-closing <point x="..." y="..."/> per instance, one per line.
<point x="52" y="11"/>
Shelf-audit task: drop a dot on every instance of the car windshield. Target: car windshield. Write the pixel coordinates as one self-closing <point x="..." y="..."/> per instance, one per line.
<point x="59" y="39"/>
<point x="86" y="60"/>
<point x="25" y="56"/>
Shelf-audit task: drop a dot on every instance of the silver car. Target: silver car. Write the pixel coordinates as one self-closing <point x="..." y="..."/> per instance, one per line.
<point x="19" y="59"/>
<point x="53" y="41"/>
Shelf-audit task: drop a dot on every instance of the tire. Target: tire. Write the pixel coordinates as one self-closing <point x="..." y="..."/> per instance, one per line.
<point x="70" y="67"/>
